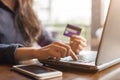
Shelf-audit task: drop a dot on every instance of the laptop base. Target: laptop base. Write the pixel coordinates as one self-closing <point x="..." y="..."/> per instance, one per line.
<point x="82" y="67"/>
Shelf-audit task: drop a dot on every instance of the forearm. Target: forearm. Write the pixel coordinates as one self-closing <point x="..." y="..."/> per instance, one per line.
<point x="25" y="53"/>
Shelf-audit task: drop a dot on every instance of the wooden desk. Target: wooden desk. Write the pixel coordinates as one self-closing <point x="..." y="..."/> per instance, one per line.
<point x="111" y="73"/>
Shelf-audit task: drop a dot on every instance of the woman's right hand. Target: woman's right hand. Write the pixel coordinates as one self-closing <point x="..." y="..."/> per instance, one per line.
<point x="56" y="50"/>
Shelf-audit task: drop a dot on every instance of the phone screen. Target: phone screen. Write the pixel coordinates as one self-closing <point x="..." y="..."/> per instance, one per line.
<point x="36" y="69"/>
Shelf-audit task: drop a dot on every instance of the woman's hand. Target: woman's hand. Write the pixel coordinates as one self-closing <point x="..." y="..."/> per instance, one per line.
<point x="56" y="50"/>
<point x="77" y="43"/>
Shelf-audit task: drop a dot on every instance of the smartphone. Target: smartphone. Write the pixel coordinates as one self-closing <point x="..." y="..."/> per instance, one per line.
<point x="38" y="72"/>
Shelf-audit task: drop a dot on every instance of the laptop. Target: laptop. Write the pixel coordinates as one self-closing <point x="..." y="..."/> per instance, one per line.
<point x="108" y="53"/>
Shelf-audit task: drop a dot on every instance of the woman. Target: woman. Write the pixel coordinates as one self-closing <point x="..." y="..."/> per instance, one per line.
<point x="20" y="28"/>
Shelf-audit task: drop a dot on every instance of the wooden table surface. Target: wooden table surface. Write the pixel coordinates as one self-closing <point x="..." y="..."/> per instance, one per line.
<point x="111" y="73"/>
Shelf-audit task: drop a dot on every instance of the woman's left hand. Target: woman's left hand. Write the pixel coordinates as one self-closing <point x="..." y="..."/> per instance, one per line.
<point x="77" y="43"/>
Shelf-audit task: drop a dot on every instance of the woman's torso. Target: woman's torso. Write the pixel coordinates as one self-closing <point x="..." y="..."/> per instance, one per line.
<point x="9" y="32"/>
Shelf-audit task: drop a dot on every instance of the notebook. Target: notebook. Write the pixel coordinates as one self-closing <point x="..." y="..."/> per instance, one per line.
<point x="108" y="52"/>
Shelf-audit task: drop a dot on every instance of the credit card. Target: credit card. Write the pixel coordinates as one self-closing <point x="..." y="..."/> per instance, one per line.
<point x="72" y="30"/>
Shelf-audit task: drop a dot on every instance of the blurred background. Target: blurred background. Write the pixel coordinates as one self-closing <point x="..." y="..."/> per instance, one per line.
<point x="87" y="14"/>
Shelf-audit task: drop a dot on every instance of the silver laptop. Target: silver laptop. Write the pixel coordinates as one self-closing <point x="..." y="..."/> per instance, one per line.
<point x="108" y="53"/>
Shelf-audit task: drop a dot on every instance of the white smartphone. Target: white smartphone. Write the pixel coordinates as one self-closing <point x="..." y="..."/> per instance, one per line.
<point x="37" y="71"/>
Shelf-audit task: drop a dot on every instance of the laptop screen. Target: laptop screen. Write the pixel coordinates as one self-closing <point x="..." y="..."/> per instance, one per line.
<point x="109" y="48"/>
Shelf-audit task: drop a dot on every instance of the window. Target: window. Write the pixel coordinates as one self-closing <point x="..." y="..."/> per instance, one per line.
<point x="56" y="14"/>
<point x="105" y="5"/>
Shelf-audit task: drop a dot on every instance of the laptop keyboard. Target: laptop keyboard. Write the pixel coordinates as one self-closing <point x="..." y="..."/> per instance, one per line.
<point x="86" y="58"/>
<point x="80" y="59"/>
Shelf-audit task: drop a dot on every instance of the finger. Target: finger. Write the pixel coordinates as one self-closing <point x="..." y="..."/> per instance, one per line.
<point x="55" y="55"/>
<point x="59" y="51"/>
<point x="62" y="51"/>
<point x="78" y="42"/>
<point x="78" y="51"/>
<point x="78" y="37"/>
<point x="53" y="51"/>
<point x="65" y="46"/>
<point x="73" y="55"/>
<point x="77" y="48"/>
